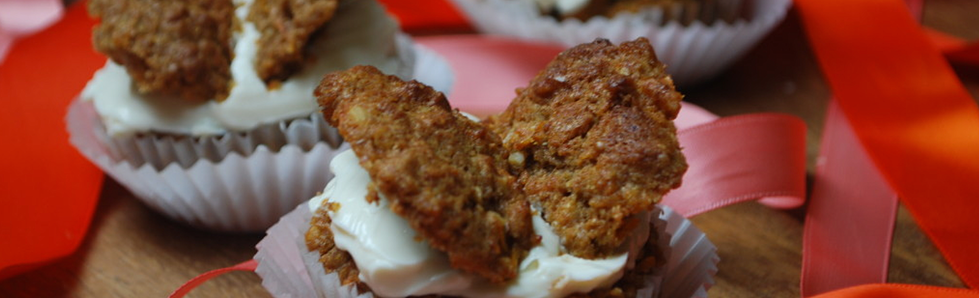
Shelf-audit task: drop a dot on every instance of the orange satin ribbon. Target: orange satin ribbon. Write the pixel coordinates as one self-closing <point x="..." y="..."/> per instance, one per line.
<point x="910" y="112"/>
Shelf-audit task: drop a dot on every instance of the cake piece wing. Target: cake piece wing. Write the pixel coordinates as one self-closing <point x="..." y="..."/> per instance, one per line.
<point x="175" y="47"/>
<point x="441" y="171"/>
<point x="593" y="141"/>
<point x="286" y="26"/>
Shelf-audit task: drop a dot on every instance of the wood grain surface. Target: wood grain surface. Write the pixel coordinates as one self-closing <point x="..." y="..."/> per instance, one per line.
<point x="132" y="251"/>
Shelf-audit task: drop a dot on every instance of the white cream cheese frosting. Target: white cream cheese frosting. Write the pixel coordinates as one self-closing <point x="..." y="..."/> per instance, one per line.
<point x="361" y="32"/>
<point x="394" y="264"/>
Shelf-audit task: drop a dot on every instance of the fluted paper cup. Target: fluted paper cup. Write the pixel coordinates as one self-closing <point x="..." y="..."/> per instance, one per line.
<point x="289" y="269"/>
<point x="693" y="53"/>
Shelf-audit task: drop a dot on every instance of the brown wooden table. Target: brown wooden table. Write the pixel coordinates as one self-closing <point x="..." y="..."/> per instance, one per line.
<point x="132" y="251"/>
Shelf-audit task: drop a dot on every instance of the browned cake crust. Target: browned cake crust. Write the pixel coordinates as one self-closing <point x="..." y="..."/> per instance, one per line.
<point x="442" y="172"/>
<point x="593" y="142"/>
<point x="178" y="47"/>
<point x="319" y="238"/>
<point x="286" y="27"/>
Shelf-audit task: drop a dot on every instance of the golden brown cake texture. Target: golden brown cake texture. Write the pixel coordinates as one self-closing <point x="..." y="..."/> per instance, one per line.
<point x="178" y="47"/>
<point x="593" y="143"/>
<point x="319" y="239"/>
<point x="286" y="27"/>
<point x="445" y="174"/>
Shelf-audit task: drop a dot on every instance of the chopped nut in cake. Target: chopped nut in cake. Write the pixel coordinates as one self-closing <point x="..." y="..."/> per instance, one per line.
<point x="596" y="142"/>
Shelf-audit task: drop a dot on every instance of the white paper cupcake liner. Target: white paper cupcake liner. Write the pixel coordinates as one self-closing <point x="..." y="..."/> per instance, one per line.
<point x="160" y="150"/>
<point x="211" y="185"/>
<point x="283" y="258"/>
<point x="692" y="53"/>
<point x="238" y="193"/>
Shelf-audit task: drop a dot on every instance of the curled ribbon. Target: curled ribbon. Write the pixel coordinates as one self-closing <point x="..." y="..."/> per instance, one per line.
<point x="249" y="266"/>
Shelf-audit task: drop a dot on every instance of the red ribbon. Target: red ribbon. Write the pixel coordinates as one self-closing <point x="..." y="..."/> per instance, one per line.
<point x="911" y="114"/>
<point x="249" y="266"/>
<point x="850" y="218"/>
<point x="50" y="191"/>
<point x="421" y="16"/>
<point x="762" y="158"/>
<point x="899" y="291"/>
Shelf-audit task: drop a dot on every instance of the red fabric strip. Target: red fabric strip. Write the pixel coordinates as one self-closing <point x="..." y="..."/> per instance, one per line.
<point x="850" y="218"/>
<point x="249" y="265"/>
<point x="742" y="158"/>
<point x="966" y="54"/>
<point x="954" y="48"/>
<point x="900" y="291"/>
<point x="49" y="190"/>
<point x="437" y="16"/>
<point x="910" y="112"/>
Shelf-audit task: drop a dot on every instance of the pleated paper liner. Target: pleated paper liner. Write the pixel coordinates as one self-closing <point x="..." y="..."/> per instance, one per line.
<point x="242" y="182"/>
<point x="288" y="269"/>
<point x="693" y="52"/>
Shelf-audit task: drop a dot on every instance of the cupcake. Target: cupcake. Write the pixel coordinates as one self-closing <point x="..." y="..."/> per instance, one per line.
<point x="205" y="109"/>
<point x="697" y="39"/>
<point x="557" y="196"/>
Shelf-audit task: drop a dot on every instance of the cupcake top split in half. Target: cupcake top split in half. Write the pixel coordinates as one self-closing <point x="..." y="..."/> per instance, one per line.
<point x="551" y="198"/>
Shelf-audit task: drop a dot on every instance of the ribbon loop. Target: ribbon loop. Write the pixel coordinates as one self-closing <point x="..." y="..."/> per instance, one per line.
<point x="742" y="158"/>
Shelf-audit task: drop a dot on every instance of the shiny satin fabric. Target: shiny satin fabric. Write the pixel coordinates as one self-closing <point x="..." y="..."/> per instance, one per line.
<point x="909" y="112"/>
<point x="49" y="190"/>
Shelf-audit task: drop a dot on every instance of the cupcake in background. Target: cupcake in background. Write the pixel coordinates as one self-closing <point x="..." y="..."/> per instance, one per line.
<point x="205" y="109"/>
<point x="696" y="39"/>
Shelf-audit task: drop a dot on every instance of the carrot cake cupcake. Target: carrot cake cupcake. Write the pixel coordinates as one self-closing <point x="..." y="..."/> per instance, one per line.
<point x="554" y="197"/>
<point x="205" y="109"/>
